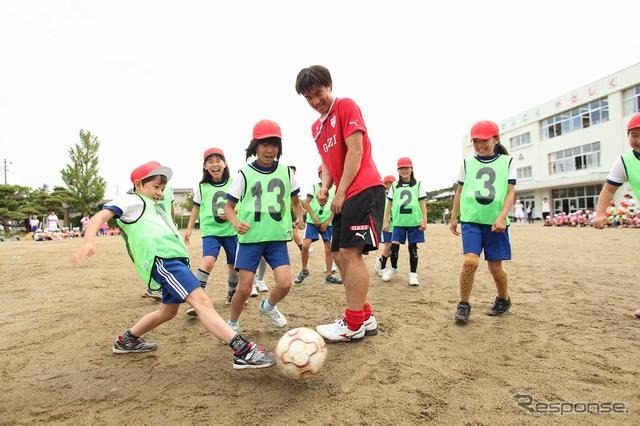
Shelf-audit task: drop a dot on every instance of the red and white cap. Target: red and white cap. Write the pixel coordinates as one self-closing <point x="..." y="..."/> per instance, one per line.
<point x="152" y="168"/>
<point x="212" y="151"/>
<point x="405" y="162"/>
<point x="634" y="123"/>
<point x="484" y="130"/>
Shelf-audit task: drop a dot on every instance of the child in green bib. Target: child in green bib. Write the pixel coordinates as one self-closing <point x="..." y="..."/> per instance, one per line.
<point x="159" y="254"/>
<point x="263" y="192"/>
<point x="625" y="169"/>
<point x="485" y="193"/>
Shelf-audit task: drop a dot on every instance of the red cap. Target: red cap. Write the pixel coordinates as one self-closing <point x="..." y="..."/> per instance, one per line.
<point x="152" y="168"/>
<point x="389" y="178"/>
<point x="634" y="123"/>
<point x="266" y="129"/>
<point x="212" y="151"/>
<point x="484" y="130"/>
<point x="405" y="162"/>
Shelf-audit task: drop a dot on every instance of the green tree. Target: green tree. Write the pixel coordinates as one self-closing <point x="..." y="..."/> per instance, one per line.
<point x="81" y="176"/>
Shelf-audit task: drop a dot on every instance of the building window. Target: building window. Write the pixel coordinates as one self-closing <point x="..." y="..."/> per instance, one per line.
<point x="575" y="119"/>
<point x="524" y="172"/>
<point x="631" y="99"/>
<point x="520" y="140"/>
<point x="570" y="200"/>
<point x="577" y="158"/>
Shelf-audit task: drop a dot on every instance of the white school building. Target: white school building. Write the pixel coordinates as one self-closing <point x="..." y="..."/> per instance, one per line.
<point x="564" y="149"/>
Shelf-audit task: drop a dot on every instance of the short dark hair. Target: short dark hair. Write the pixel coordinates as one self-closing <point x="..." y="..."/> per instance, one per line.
<point x="253" y="146"/>
<point x="313" y="77"/>
<point x="163" y="180"/>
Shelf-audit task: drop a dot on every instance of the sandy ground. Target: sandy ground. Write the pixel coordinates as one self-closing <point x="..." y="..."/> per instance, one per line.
<point x="570" y="338"/>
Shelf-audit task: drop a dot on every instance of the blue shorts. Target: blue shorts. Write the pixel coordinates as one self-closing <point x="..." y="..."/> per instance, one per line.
<point x="412" y="234"/>
<point x="313" y="233"/>
<point x="386" y="237"/>
<point x="248" y="257"/>
<point x="211" y="247"/>
<point x="176" y="279"/>
<point x="476" y="237"/>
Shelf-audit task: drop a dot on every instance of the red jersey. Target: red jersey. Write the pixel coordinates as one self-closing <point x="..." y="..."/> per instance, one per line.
<point x="343" y="120"/>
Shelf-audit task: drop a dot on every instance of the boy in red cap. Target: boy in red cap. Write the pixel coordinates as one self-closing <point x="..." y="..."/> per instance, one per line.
<point x="209" y="199"/>
<point x="343" y="143"/>
<point x="485" y="193"/>
<point x="407" y="203"/>
<point x="625" y="169"/>
<point x="159" y="254"/>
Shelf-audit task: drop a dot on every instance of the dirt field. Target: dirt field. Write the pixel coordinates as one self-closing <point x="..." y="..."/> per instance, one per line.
<point x="570" y="338"/>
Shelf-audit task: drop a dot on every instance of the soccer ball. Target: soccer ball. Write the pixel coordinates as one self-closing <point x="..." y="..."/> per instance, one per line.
<point x="300" y="353"/>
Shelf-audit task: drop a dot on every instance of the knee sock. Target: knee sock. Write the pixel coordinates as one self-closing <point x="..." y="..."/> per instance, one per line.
<point x="467" y="275"/>
<point x="395" y="248"/>
<point x="367" y="311"/>
<point x="413" y="257"/>
<point x="232" y="281"/>
<point x="202" y="276"/>
<point x="383" y="261"/>
<point x="354" y="319"/>
<point x="502" y="284"/>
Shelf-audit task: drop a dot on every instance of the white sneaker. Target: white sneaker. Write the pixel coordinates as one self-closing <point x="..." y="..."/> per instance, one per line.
<point x="339" y="332"/>
<point x="388" y="274"/>
<point x="413" y="279"/>
<point x="262" y="286"/>
<point x="378" y="266"/>
<point x="371" y="326"/>
<point x="254" y="291"/>
<point x="277" y="319"/>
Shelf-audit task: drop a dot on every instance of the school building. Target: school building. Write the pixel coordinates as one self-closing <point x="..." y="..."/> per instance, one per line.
<point x="563" y="149"/>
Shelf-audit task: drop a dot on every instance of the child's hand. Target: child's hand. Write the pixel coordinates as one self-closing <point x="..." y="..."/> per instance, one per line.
<point x="386" y="225"/>
<point x="85" y="251"/>
<point x="187" y="236"/>
<point x="453" y="226"/>
<point x="423" y="225"/>
<point x="499" y="225"/>
<point x="299" y="223"/>
<point x="322" y="196"/>
<point x="242" y="227"/>
<point x="600" y="222"/>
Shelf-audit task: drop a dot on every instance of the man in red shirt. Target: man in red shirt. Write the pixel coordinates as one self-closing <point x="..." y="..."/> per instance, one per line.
<point x="358" y="205"/>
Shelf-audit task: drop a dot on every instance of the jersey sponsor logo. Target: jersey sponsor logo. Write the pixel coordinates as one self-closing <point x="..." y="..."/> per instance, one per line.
<point x="333" y="121"/>
<point x="354" y="123"/>
<point x="359" y="228"/>
<point x="361" y="234"/>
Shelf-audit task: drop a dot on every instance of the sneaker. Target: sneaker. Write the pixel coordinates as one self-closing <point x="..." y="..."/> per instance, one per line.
<point x="254" y="291"/>
<point x="262" y="286"/>
<point x="500" y="306"/>
<point x="339" y="332"/>
<point x="378" y="266"/>
<point x="388" y="274"/>
<point x="255" y="357"/>
<point x="153" y="294"/>
<point x="192" y="312"/>
<point x="413" y="279"/>
<point x="331" y="279"/>
<point x="371" y="326"/>
<point x="301" y="276"/>
<point x="637" y="313"/>
<point x="277" y="319"/>
<point x="126" y="346"/>
<point x="462" y="313"/>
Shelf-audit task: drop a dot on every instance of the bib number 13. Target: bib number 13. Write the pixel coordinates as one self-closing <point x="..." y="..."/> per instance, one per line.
<point x="274" y="185"/>
<point x="489" y="176"/>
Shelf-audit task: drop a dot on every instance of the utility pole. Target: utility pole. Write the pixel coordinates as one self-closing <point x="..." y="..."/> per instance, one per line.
<point x="5" y="166"/>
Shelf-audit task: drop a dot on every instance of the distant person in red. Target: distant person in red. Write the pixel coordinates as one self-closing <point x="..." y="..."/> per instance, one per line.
<point x="342" y="140"/>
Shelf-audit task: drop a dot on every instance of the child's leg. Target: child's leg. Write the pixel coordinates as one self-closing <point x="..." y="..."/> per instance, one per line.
<point x="282" y="275"/>
<point x="154" y="319"/>
<point x="306" y="244"/>
<point x="467" y="275"/>
<point x="413" y="257"/>
<point x="395" y="248"/>
<point x="208" y="316"/>
<point x="206" y="266"/>
<point x="500" y="277"/>
<point x="243" y="291"/>
<point x="328" y="260"/>
<point x="262" y="268"/>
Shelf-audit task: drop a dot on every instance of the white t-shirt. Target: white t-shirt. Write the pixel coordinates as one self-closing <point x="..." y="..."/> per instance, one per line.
<point x="618" y="175"/>
<point x="52" y="222"/>
<point x="127" y="207"/>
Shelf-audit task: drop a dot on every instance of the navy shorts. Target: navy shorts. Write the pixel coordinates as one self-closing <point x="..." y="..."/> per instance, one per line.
<point x="476" y="238"/>
<point x="175" y="278"/>
<point x="412" y="234"/>
<point x="313" y="233"/>
<point x="248" y="257"/>
<point x="211" y="247"/>
<point x="386" y="237"/>
<point x="360" y="223"/>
